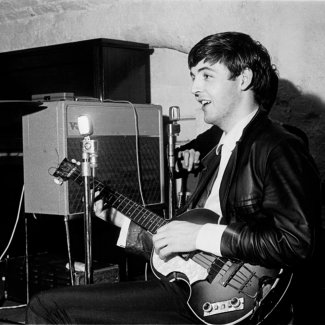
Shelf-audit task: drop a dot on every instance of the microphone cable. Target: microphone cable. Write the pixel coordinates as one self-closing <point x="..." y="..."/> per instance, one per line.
<point x="9" y="243"/>
<point x="15" y="226"/>
<point x="136" y="128"/>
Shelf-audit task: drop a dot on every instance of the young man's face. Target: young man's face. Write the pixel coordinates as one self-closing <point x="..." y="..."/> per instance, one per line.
<point x="219" y="96"/>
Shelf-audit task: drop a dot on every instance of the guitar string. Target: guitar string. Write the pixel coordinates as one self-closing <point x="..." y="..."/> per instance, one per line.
<point x="241" y="281"/>
<point x="240" y="277"/>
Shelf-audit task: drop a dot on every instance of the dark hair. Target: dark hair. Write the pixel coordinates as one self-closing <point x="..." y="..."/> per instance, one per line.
<point x="238" y="51"/>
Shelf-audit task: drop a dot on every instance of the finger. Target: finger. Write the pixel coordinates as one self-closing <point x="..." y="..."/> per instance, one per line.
<point x="196" y="157"/>
<point x="99" y="204"/>
<point x="159" y="244"/>
<point x="159" y="240"/>
<point x="176" y="167"/>
<point x="186" y="156"/>
<point x="98" y="207"/>
<point x="165" y="252"/>
<point x="162" y="229"/>
<point x="98" y="196"/>
<point x="191" y="159"/>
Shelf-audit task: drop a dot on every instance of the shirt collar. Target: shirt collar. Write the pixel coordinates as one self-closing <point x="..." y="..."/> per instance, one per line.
<point x="229" y="140"/>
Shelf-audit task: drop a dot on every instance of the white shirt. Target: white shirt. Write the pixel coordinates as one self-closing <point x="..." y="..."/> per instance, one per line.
<point x="209" y="236"/>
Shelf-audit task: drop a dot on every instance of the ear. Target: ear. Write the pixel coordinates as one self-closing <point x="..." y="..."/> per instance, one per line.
<point x="246" y="79"/>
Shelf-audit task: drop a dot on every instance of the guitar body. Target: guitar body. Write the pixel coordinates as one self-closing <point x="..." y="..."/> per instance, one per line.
<point x="223" y="292"/>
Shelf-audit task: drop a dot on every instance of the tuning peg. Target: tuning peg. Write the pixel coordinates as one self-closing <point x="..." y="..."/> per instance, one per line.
<point x="76" y="162"/>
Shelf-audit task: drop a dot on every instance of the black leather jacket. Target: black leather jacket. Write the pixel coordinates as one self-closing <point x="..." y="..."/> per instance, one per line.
<point x="269" y="195"/>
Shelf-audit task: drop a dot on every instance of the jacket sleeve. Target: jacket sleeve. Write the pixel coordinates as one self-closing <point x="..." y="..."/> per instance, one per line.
<point x="281" y="231"/>
<point x="138" y="241"/>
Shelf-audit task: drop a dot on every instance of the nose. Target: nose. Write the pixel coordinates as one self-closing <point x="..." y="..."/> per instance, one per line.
<point x="196" y="86"/>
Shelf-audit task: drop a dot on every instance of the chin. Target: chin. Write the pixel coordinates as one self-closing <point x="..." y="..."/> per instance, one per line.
<point x="207" y="120"/>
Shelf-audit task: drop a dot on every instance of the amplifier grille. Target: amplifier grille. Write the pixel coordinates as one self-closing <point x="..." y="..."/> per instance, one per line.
<point x="117" y="166"/>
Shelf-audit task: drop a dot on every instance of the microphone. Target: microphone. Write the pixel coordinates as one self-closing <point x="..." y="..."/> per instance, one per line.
<point x="89" y="163"/>
<point x="173" y="130"/>
<point x="85" y="126"/>
<point x="174" y="113"/>
<point x="89" y="147"/>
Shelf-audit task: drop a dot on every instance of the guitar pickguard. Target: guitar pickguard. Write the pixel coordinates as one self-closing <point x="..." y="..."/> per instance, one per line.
<point x="192" y="270"/>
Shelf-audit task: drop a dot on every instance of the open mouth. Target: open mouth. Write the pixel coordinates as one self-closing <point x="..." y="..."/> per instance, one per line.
<point x="204" y="102"/>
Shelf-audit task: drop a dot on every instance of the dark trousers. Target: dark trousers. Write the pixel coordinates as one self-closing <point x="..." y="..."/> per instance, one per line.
<point x="150" y="302"/>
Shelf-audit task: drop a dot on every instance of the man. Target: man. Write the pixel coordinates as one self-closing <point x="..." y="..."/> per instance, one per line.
<point x="261" y="185"/>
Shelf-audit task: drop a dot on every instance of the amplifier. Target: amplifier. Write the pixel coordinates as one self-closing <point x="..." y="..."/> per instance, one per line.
<point x="47" y="271"/>
<point x="121" y="131"/>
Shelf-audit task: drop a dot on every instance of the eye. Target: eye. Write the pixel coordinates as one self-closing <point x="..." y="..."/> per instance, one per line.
<point x="207" y="76"/>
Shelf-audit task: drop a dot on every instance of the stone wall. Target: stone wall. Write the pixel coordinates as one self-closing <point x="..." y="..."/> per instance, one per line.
<point x="293" y="31"/>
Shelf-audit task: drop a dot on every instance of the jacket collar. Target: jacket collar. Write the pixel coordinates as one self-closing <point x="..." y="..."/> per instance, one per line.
<point x="229" y="140"/>
<point x="250" y="130"/>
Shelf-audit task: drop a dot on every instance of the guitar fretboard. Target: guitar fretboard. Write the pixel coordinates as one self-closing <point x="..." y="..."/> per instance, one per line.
<point x="134" y="211"/>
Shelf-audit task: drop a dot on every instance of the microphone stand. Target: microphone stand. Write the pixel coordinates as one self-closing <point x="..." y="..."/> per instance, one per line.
<point x="173" y="130"/>
<point x="89" y="163"/>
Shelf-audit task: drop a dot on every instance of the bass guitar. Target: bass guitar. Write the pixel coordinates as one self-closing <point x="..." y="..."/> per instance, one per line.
<point x="222" y="291"/>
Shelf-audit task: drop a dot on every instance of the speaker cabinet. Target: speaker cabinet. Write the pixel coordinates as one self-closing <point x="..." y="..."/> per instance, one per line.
<point x="52" y="134"/>
<point x="100" y="68"/>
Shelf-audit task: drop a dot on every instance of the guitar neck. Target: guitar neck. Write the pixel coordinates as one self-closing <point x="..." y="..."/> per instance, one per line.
<point x="134" y="211"/>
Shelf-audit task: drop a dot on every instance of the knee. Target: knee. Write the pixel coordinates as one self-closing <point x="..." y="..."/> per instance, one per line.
<point x="43" y="299"/>
<point x="39" y="307"/>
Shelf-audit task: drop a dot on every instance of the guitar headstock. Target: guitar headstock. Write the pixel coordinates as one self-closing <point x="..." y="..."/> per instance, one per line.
<point x="66" y="170"/>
